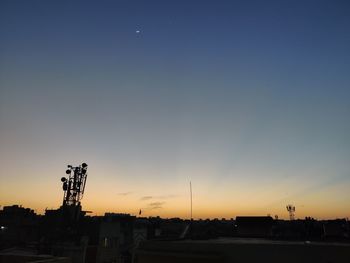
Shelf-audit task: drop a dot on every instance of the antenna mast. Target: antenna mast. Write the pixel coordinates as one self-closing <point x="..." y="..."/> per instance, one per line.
<point x="74" y="185"/>
<point x="291" y="210"/>
<point x="191" y="198"/>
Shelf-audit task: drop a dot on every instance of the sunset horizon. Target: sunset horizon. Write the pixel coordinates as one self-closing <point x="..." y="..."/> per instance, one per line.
<point x="247" y="100"/>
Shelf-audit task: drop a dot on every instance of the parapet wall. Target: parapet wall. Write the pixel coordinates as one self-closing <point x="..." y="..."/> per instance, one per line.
<point x="32" y="259"/>
<point x="241" y="251"/>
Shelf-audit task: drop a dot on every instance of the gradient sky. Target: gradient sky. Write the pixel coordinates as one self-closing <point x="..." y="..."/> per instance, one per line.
<point x="249" y="100"/>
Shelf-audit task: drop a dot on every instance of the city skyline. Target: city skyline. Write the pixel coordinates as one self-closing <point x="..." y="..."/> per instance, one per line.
<point x="248" y="100"/>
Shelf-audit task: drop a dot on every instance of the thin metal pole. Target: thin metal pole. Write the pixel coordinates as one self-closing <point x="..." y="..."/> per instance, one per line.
<point x="191" y="198"/>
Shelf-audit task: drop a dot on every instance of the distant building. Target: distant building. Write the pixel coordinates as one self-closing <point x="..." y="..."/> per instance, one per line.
<point x="18" y="225"/>
<point x="115" y="238"/>
<point x="254" y="226"/>
<point x="336" y="229"/>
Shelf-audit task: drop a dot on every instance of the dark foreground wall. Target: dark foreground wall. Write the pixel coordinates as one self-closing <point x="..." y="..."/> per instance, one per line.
<point x="32" y="259"/>
<point x="241" y="251"/>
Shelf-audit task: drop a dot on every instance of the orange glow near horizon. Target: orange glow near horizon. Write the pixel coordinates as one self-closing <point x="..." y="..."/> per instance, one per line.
<point x="208" y="201"/>
<point x="184" y="214"/>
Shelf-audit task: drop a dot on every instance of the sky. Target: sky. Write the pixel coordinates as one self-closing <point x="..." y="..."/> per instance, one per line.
<point x="248" y="100"/>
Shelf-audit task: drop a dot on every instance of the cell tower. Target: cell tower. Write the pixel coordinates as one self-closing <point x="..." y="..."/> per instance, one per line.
<point x="74" y="185"/>
<point x="291" y="210"/>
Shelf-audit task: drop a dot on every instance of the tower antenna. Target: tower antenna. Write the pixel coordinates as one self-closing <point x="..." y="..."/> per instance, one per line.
<point x="291" y="210"/>
<point x="74" y="185"/>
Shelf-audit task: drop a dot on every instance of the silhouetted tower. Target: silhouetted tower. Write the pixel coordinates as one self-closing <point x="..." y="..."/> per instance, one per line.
<point x="291" y="210"/>
<point x="74" y="185"/>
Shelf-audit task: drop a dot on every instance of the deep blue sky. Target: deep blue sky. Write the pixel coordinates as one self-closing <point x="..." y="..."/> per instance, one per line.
<point x="248" y="99"/>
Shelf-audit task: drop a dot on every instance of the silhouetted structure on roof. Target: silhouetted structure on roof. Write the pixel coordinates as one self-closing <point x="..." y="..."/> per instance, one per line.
<point x="291" y="211"/>
<point x="73" y="187"/>
<point x="18" y="225"/>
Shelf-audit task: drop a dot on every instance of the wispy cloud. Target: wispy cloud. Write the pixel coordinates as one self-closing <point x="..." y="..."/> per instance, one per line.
<point x="156" y="205"/>
<point x="147" y="197"/>
<point x="124" y="193"/>
<point x="153" y="206"/>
